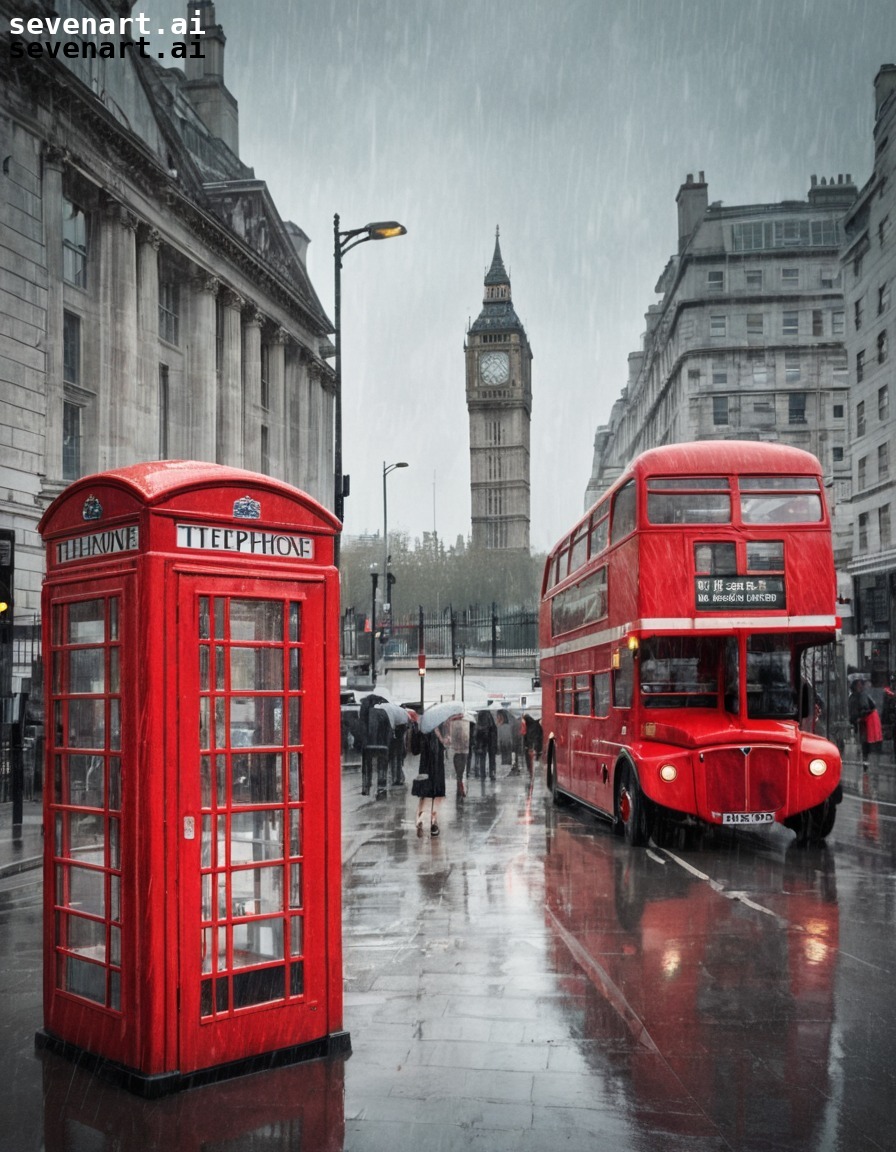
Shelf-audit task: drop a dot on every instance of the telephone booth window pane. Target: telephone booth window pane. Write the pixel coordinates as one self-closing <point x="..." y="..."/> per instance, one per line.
<point x="114" y="844"/>
<point x="115" y="725"/>
<point x="115" y="898"/>
<point x="204" y="620"/>
<point x="86" y="890"/>
<point x="114" y="670"/>
<point x="295" y="776"/>
<point x="256" y="778"/>
<point x="295" y="831"/>
<point x="87" y="673"/>
<point x="114" y="784"/>
<point x="295" y="720"/>
<point x="296" y="935"/>
<point x="256" y="620"/>
<point x="220" y="669"/>
<point x="205" y="779"/>
<point x="204" y="683"/>
<point x="256" y="835"/>
<point x="295" y="622"/>
<point x="295" y="669"/>
<point x="86" y="723"/>
<point x="256" y="670"/>
<point x="297" y="978"/>
<point x="87" y="622"/>
<point x="82" y="979"/>
<point x="256" y="891"/>
<point x="257" y="987"/>
<point x="295" y="885"/>
<point x="204" y="705"/>
<point x="219" y="619"/>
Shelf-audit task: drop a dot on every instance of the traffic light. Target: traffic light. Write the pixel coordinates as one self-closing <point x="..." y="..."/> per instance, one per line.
<point x="7" y="574"/>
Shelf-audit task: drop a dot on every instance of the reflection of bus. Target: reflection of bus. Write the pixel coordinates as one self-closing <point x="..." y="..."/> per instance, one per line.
<point x="674" y="619"/>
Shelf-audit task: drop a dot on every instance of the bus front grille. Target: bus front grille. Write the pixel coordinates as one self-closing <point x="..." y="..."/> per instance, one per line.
<point x="752" y="778"/>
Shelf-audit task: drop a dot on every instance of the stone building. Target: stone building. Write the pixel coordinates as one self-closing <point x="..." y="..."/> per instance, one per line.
<point x="746" y="341"/>
<point x="153" y="303"/>
<point x="869" y="275"/>
<point x="499" y="403"/>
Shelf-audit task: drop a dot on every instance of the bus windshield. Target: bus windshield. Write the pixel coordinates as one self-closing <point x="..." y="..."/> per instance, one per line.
<point x="680" y="672"/>
<point x="770" y="680"/>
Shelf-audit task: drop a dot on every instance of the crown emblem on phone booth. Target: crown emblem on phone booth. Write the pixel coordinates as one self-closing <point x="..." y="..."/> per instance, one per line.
<point x="92" y="509"/>
<point x="246" y="508"/>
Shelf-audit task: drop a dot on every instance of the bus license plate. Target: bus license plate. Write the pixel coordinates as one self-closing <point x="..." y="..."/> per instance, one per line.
<point x="748" y="817"/>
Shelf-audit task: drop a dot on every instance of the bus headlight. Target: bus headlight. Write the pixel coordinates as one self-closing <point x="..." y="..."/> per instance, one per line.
<point x="818" y="767"/>
<point x="668" y="772"/>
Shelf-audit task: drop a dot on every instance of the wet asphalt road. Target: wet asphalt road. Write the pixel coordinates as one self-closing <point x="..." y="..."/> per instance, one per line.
<point x="525" y="981"/>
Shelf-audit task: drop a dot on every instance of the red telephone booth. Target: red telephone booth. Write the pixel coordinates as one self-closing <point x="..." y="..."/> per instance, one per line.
<point x="192" y="875"/>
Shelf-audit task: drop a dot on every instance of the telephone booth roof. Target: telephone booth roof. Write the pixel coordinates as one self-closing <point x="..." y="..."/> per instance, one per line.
<point x="184" y="486"/>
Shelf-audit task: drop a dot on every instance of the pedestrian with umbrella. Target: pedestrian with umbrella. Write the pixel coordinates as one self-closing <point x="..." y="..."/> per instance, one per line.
<point x="430" y="783"/>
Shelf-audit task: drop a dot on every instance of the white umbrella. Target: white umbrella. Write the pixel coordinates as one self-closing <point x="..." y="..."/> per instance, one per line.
<point x="437" y="714"/>
<point x="395" y="714"/>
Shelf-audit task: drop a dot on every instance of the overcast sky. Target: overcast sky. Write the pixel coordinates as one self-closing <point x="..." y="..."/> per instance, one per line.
<point x="569" y="123"/>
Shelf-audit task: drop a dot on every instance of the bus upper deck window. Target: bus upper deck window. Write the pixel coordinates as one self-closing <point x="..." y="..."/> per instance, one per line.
<point x="624" y="515"/>
<point x="780" y="500"/>
<point x="688" y="500"/>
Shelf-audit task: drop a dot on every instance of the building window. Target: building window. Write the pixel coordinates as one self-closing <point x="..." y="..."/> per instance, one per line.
<point x="830" y="277"/>
<point x="164" y="412"/>
<point x="858" y="310"/>
<point x="857" y="268"/>
<point x="817" y="322"/>
<point x="169" y="311"/>
<point x="882" y="347"/>
<point x="755" y="324"/>
<point x="883" y="402"/>
<point x="715" y="280"/>
<point x="760" y="372"/>
<point x="694" y="376"/>
<point x="883" y="299"/>
<point x="265" y="449"/>
<point x="883" y="461"/>
<point x="838" y="455"/>
<point x="863" y="531"/>
<point x="720" y="410"/>
<point x="860" y="366"/>
<point x="74" y="244"/>
<point x="791" y="324"/>
<point x="790" y="277"/>
<point x="838" y="324"/>
<point x="862" y="473"/>
<point x="493" y="432"/>
<point x="883" y="231"/>
<point x="720" y="372"/>
<point x="792" y="367"/>
<point x="754" y="279"/>
<point x="71" y="441"/>
<point x="883" y="526"/>
<point x="860" y="418"/>
<point x="838" y="411"/>
<point x="718" y="326"/>
<point x="796" y="408"/>
<point x="264" y="398"/>
<point x="71" y="348"/>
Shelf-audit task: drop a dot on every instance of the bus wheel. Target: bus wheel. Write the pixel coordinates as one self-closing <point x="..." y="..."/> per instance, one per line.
<point x="631" y="809"/>
<point x="816" y="824"/>
<point x="557" y="796"/>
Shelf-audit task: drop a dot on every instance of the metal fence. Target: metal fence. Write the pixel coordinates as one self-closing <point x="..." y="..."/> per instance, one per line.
<point x="485" y="633"/>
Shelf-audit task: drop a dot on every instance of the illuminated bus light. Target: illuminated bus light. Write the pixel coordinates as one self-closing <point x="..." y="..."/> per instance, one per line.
<point x="818" y="767"/>
<point x="668" y="772"/>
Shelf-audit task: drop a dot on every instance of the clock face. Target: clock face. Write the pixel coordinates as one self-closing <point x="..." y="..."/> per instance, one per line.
<point x="494" y="368"/>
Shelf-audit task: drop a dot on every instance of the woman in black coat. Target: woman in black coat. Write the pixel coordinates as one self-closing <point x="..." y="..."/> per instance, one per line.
<point x="430" y="783"/>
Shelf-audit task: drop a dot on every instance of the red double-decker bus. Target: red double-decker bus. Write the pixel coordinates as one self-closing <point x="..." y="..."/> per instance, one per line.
<point x="675" y="619"/>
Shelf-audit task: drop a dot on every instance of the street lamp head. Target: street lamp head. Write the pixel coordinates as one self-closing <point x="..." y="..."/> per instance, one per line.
<point x="385" y="230"/>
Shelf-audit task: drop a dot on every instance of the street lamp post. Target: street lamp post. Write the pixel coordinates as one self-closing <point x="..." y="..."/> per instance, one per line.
<point x="374" y="577"/>
<point x="343" y="242"/>
<point x="387" y="468"/>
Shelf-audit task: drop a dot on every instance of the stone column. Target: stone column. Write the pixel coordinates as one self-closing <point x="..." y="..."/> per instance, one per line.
<point x="118" y="385"/>
<point x="253" y="414"/>
<point x="200" y="364"/>
<point x="230" y="385"/>
<point x="146" y="415"/>
<point x="278" y="403"/>
<point x="51" y="206"/>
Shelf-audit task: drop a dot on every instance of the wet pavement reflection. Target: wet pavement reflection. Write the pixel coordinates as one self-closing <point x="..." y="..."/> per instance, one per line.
<point x="526" y="981"/>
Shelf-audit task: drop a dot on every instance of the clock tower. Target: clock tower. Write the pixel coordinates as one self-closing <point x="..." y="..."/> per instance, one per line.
<point x="499" y="403"/>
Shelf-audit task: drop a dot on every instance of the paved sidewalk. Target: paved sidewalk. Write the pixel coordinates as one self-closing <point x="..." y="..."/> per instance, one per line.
<point x="21" y="848"/>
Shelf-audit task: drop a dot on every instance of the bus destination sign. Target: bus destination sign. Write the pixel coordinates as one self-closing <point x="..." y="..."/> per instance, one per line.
<point x="750" y="593"/>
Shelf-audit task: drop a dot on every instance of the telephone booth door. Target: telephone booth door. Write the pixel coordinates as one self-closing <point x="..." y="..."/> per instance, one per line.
<point x="251" y="827"/>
